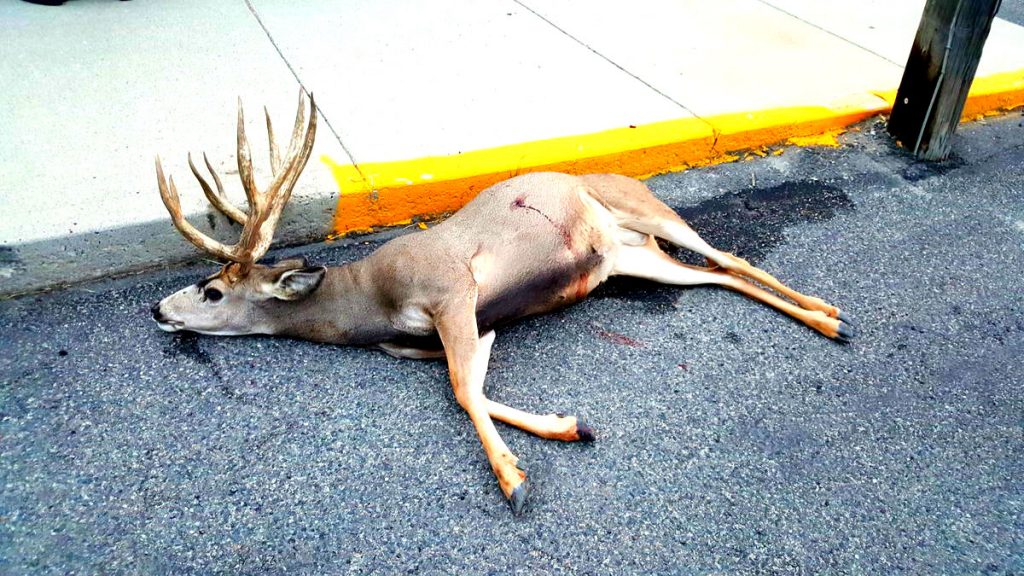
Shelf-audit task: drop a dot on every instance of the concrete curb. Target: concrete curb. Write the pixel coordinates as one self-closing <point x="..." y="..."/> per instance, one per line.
<point x="399" y="193"/>
<point x="378" y="195"/>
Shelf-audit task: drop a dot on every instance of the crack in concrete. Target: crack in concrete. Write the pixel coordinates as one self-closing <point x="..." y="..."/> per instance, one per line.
<point x="295" y="74"/>
<point x="829" y="32"/>
<point x="610" y="61"/>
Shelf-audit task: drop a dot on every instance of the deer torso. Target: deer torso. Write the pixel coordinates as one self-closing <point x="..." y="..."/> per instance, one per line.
<point x="525" y="246"/>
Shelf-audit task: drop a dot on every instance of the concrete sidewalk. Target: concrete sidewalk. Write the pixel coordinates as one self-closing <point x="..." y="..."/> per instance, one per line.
<point x="421" y="105"/>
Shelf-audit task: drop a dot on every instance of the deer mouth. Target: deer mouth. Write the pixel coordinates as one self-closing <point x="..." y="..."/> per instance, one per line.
<point x="170" y="325"/>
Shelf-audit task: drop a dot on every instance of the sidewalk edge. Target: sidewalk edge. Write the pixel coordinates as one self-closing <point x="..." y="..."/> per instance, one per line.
<point x="401" y="192"/>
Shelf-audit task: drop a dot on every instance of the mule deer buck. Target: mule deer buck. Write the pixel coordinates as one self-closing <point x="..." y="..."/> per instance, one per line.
<point x="524" y="246"/>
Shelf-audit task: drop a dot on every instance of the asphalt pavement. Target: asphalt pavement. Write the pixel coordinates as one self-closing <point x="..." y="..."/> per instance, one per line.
<point x="730" y="439"/>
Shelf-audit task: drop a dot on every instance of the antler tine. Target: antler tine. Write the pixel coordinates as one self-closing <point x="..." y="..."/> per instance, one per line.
<point x="259" y="231"/>
<point x="252" y="195"/>
<point x="275" y="155"/>
<point x="298" y="155"/>
<point x="219" y="200"/>
<point x="216" y="178"/>
<point x="169" y="194"/>
<point x="307" y="145"/>
<point x="300" y="119"/>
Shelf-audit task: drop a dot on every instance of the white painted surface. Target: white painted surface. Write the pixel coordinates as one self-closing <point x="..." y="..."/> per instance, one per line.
<point x="1004" y="49"/>
<point x="888" y="27"/>
<point x="405" y="79"/>
<point x="725" y="56"/>
<point x="885" y="27"/>
<point x="93" y="91"/>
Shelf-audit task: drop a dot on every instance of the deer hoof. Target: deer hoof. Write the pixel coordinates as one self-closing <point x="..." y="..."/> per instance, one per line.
<point x="845" y="332"/>
<point x="584" y="433"/>
<point x="517" y="500"/>
<point x="844" y="318"/>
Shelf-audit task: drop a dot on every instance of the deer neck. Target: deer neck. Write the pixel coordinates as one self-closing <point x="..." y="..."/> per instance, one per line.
<point x="345" y="309"/>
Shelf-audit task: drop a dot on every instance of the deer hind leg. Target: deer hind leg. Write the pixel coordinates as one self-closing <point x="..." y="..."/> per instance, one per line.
<point x="468" y="355"/>
<point x="636" y="208"/>
<point x="648" y="261"/>
<point x="680" y="234"/>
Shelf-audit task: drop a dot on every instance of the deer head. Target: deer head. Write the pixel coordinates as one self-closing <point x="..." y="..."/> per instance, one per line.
<point x="244" y="296"/>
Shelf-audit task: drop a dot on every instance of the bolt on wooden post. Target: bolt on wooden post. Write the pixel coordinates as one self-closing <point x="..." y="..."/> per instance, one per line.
<point x="939" y="73"/>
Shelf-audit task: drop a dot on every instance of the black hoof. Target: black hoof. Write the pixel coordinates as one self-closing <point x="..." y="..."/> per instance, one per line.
<point x="518" y="498"/>
<point x="842" y="317"/>
<point x="585" y="433"/>
<point x="846" y="332"/>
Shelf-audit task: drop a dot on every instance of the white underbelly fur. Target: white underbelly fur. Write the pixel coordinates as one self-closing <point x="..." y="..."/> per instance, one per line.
<point x="614" y="235"/>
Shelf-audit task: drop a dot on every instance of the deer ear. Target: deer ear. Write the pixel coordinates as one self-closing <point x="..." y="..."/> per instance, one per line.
<point x="298" y="284"/>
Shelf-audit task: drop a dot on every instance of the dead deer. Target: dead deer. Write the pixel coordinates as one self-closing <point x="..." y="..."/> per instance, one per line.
<point x="524" y="246"/>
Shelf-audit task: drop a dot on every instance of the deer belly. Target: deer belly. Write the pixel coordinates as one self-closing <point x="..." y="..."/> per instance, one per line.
<point x="542" y="291"/>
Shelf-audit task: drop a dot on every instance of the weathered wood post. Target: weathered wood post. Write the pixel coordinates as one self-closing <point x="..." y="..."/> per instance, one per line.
<point x="939" y="73"/>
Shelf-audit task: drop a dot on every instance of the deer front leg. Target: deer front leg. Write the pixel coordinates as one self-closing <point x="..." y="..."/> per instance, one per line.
<point x="547" y="426"/>
<point x="468" y="354"/>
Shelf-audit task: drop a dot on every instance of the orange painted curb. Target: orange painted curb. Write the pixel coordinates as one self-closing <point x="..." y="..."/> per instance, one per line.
<point x="989" y="95"/>
<point x="394" y="193"/>
<point x="994" y="94"/>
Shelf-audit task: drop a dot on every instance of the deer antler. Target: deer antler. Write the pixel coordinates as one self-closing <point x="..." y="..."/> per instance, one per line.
<point x="264" y="207"/>
<point x="219" y="200"/>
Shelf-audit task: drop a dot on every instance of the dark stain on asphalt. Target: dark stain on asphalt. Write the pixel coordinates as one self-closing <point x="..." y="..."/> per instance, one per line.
<point x="920" y="170"/>
<point x="8" y="255"/>
<point x="751" y="223"/>
<point x="652" y="297"/>
<point x="187" y="344"/>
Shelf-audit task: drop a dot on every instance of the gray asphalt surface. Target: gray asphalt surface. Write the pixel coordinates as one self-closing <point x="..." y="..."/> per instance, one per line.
<point x="730" y="438"/>
<point x="1012" y="10"/>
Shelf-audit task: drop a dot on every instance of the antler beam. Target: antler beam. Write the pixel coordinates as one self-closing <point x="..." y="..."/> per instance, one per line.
<point x="265" y="208"/>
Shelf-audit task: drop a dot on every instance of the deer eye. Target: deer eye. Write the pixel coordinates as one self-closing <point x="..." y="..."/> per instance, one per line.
<point x="212" y="294"/>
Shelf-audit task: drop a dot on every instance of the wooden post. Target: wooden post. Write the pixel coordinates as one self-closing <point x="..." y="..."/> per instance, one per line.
<point x="939" y="73"/>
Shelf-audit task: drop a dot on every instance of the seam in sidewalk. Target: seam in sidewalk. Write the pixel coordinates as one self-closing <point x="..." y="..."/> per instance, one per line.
<point x="295" y="74"/>
<point x="829" y="32"/>
<point x="609" y="60"/>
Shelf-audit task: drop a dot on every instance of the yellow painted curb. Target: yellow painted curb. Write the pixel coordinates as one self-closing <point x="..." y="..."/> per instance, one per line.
<point x="751" y="130"/>
<point x="994" y="94"/>
<point x="391" y="193"/>
<point x="394" y="193"/>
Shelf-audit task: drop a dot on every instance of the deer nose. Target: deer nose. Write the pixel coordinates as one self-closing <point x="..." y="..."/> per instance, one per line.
<point x="155" y="309"/>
